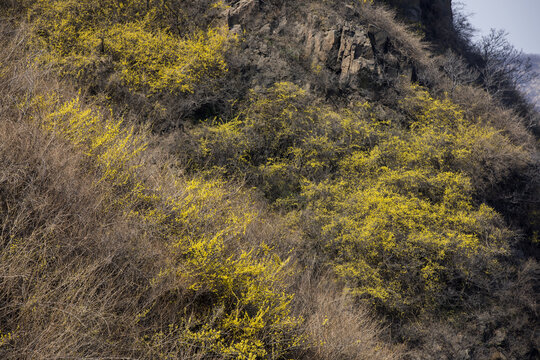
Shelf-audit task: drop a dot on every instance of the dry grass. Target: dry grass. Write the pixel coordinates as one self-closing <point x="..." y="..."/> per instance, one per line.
<point x="337" y="327"/>
<point x="384" y="18"/>
<point x="72" y="275"/>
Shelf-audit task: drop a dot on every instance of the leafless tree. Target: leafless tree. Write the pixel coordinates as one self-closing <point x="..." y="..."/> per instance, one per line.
<point x="465" y="31"/>
<point x="457" y="69"/>
<point x="503" y="67"/>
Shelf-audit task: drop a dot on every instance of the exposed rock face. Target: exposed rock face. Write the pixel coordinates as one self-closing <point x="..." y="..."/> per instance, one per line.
<point x="345" y="48"/>
<point x="241" y="11"/>
<point x="336" y="44"/>
<point x="352" y="51"/>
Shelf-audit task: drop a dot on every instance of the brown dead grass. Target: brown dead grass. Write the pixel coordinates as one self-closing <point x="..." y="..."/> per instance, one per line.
<point x="337" y="327"/>
<point x="72" y="276"/>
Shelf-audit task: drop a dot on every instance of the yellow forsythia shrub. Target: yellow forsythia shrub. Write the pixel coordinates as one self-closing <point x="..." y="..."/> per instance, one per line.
<point x="399" y="220"/>
<point x="126" y="38"/>
<point x="389" y="200"/>
<point x="281" y="137"/>
<point x="248" y="313"/>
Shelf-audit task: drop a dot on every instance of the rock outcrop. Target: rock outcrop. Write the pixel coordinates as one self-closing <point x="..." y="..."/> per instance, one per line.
<point x="354" y="52"/>
<point x="333" y="44"/>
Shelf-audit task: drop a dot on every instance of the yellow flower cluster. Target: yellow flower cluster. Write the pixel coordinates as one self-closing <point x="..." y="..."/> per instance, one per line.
<point x="392" y="198"/>
<point x="88" y="38"/>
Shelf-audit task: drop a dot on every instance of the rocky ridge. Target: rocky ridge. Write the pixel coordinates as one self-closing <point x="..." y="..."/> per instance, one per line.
<point x="341" y="47"/>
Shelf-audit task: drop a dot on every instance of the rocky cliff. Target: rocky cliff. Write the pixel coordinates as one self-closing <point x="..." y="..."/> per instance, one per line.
<point x="332" y="47"/>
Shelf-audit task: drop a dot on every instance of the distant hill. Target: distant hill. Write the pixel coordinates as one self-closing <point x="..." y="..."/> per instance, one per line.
<point x="532" y="88"/>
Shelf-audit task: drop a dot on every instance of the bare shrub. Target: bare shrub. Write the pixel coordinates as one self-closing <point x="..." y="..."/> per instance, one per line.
<point x="464" y="30"/>
<point x="503" y="67"/>
<point x="457" y="70"/>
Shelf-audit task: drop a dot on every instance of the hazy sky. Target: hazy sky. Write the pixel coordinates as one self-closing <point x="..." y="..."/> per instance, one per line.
<point x="520" y="18"/>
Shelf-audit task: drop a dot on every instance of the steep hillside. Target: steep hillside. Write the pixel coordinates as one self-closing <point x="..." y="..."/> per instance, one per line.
<point x="252" y="179"/>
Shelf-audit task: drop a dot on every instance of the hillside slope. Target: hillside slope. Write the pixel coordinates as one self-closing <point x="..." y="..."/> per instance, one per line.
<point x="257" y="180"/>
